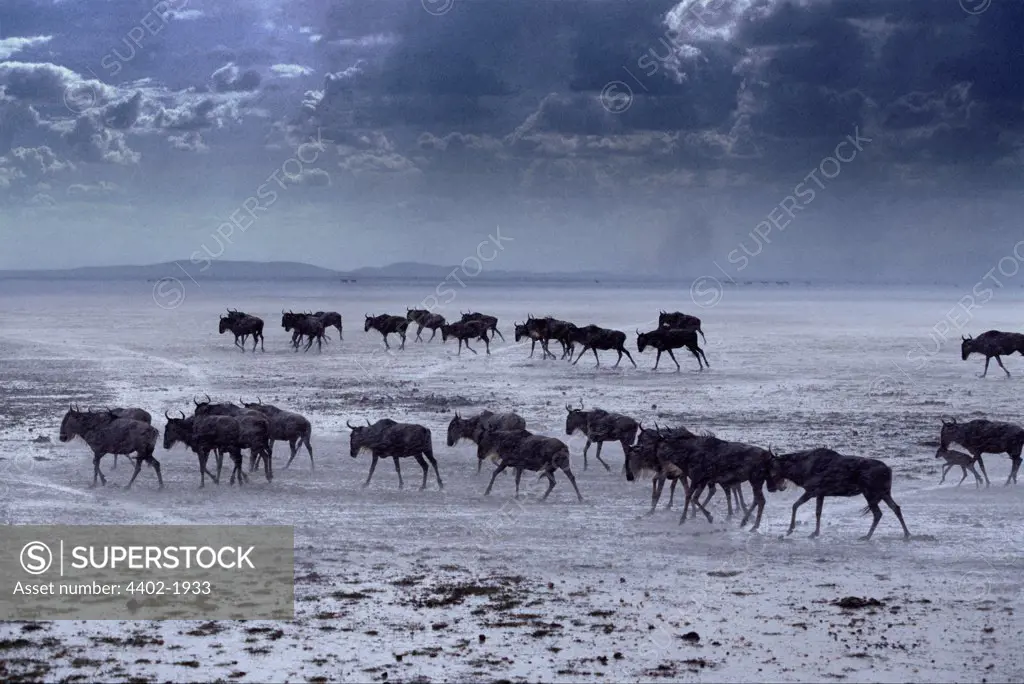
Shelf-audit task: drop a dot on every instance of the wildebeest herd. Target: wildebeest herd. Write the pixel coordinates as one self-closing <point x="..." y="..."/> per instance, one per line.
<point x="675" y="330"/>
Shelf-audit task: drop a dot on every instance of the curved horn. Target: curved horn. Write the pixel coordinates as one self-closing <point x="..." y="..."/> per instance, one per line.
<point x="208" y="399"/>
<point x="367" y="421"/>
<point x="259" y="401"/>
<point x="637" y="332"/>
<point x="350" y="425"/>
<point x="182" y="414"/>
<point x="194" y="401"/>
<point x="165" y="415"/>
<point x="581" y="404"/>
<point x="568" y="408"/>
<point x="240" y="401"/>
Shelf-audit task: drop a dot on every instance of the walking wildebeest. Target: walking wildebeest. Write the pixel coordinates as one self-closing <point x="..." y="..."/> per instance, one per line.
<point x="471" y="428"/>
<point x="386" y="324"/>
<point x="824" y="472"/>
<point x="667" y="339"/>
<point x="330" y="318"/>
<point x="600" y="426"/>
<point x="981" y="436"/>
<point x="958" y="458"/>
<point x="286" y="426"/>
<point x="389" y="439"/>
<point x="993" y="343"/>
<point x="523" y="450"/>
<point x="548" y="329"/>
<point x="464" y="331"/>
<point x="490" y="321"/>
<point x="253" y="432"/>
<point x="128" y="412"/>
<point x="593" y="338"/>
<point x="535" y="333"/>
<point x="243" y="324"/>
<point x="105" y="433"/>
<point x="183" y="430"/>
<point x="681" y="321"/>
<point x="425" y="319"/>
<point x="304" y="325"/>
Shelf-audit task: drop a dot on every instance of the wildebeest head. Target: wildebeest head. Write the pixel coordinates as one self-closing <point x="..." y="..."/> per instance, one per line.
<point x="358" y="439"/>
<point x="576" y="419"/>
<point x="177" y="430"/>
<point x="948" y="433"/>
<point x="776" y="481"/>
<point x="521" y="331"/>
<point x="641" y="341"/>
<point x="966" y="346"/>
<point x="460" y="427"/>
<point x="446" y="331"/>
<point x="225" y="324"/>
<point x="369" y="323"/>
<point x="71" y="424"/>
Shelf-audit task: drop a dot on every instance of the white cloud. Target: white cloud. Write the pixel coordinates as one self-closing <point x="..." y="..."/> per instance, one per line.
<point x="10" y="46"/>
<point x="291" y="70"/>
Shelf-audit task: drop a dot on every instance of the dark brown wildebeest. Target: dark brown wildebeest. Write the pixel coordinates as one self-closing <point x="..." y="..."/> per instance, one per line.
<point x="253" y="432"/>
<point x="681" y="321"/>
<point x="330" y="318"/>
<point x="285" y="426"/>
<point x="981" y="436"/>
<point x="522" y="450"/>
<point x="464" y="331"/>
<point x="389" y="439"/>
<point x="304" y="325"/>
<point x="993" y="343"/>
<point x="490" y="321"/>
<point x="600" y="426"/>
<point x="824" y="472"/>
<point x="593" y="337"/>
<point x="547" y="329"/>
<point x="667" y="339"/>
<point x="183" y="430"/>
<point x="126" y="412"/>
<point x="471" y="428"/>
<point x="958" y="458"/>
<point x="242" y="325"/>
<point x="386" y="324"/>
<point x="536" y="334"/>
<point x="424" y="319"/>
<point x="105" y="433"/>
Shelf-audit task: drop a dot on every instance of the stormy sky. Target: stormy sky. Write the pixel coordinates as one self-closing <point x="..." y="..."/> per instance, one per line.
<point x="763" y="138"/>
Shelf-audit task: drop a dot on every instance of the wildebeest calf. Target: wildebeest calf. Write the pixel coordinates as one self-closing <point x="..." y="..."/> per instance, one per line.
<point x="958" y="458"/>
<point x="522" y="450"/>
<point x="824" y="472"/>
<point x="992" y="343"/>
<point x="389" y="439"/>
<point x="981" y="436"/>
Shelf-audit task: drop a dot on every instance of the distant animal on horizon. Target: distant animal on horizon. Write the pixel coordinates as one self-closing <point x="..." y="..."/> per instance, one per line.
<point x="667" y="339"/>
<point x="981" y="436"/>
<point x="387" y="324"/>
<point x="425" y="319"/>
<point x="992" y="343"/>
<point x="824" y="472"/>
<point x="242" y="324"/>
<point x="681" y="321"/>
<point x="490" y="321"/>
<point x="107" y="433"/>
<point x="958" y="458"/>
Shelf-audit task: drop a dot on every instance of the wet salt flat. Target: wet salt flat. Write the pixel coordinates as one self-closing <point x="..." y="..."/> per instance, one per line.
<point x="439" y="585"/>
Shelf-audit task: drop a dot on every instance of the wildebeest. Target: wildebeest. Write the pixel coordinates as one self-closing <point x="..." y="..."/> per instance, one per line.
<point x="389" y="439"/>
<point x="304" y="325"/>
<point x="464" y="331"/>
<point x="106" y="433"/>
<point x="547" y="329"/>
<point x="680" y="321"/>
<point x="129" y="412"/>
<point x="471" y="428"/>
<point x="535" y="333"/>
<point x="386" y="324"/>
<point x="823" y="472"/>
<point x="981" y="436"/>
<point x="992" y="343"/>
<point x="330" y="318"/>
<point x="253" y="431"/>
<point x="600" y="426"/>
<point x="286" y="426"/>
<point x="425" y="319"/>
<point x="667" y="339"/>
<point x="242" y="324"/>
<point x="490" y="321"/>
<point x="522" y="450"/>
<point x="183" y="430"/>
<point x="593" y="337"/>
<point x="958" y="458"/>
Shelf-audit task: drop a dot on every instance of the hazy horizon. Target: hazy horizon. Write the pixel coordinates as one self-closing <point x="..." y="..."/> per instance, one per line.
<point x="804" y="139"/>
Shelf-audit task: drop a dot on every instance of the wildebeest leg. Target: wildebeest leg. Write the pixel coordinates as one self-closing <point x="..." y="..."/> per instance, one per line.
<point x="706" y="363"/>
<point x="657" y="483"/>
<point x="585" y="447"/>
<point x="887" y="498"/>
<point x="468" y="347"/>
<point x="304" y="439"/>
<point x="114" y="467"/>
<point x="373" y="465"/>
<point x="551" y="483"/>
<point x="671" y="493"/>
<point x="572" y="480"/>
<point x="977" y="477"/>
<point x="138" y="467"/>
<point x="96" y="472"/>
<point x="519" y="476"/>
<point x="156" y="466"/>
<point x="498" y="333"/>
<point x="981" y="464"/>
<point x="429" y="453"/>
<point x="674" y="360"/>
<point x="877" y="513"/>
<point x="945" y="470"/>
<point x="804" y="498"/>
<point x="598" y="457"/>
<point x="402" y="346"/>
<point x="759" y="502"/>
<point x="629" y="356"/>
<point x="501" y="467"/>
<point x="268" y="467"/>
<point x="294" y="444"/>
<point x="432" y="335"/>
<point x="262" y="348"/>
<point x="657" y="360"/>
<point x="487" y="344"/>
<point x="1013" y="471"/>
<point x="426" y="469"/>
<point x="398" y="469"/>
<point x="386" y="345"/>
<point x="985" y="372"/>
<point x="694" y="350"/>
<point x="418" y="331"/>
<point x="1000" y="362"/>
<point x="817" y="516"/>
<point x="964" y="470"/>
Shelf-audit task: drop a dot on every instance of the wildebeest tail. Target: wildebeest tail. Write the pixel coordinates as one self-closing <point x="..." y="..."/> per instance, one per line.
<point x="704" y="339"/>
